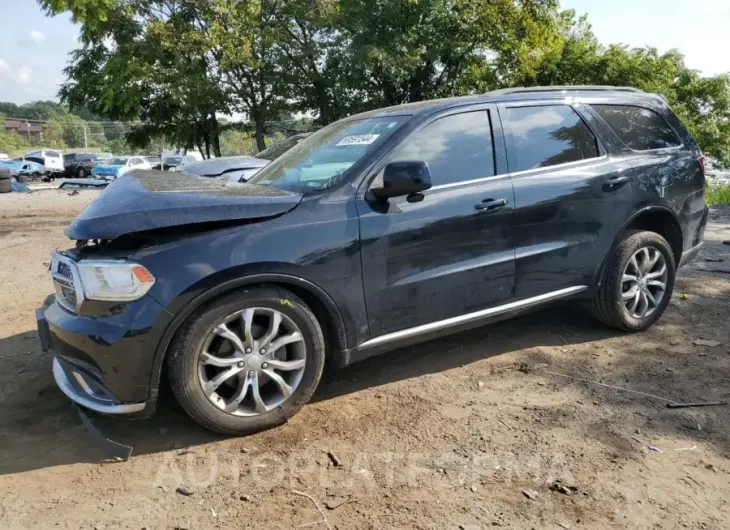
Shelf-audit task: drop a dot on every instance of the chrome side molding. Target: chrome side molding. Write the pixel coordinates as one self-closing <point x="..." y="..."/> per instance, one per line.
<point x="470" y="317"/>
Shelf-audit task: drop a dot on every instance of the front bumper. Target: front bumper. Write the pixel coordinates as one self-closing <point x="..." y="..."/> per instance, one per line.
<point x="103" y="361"/>
<point x="690" y="254"/>
<point x="84" y="391"/>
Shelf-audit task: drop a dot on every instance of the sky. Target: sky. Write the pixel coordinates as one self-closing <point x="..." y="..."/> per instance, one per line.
<point x="34" y="48"/>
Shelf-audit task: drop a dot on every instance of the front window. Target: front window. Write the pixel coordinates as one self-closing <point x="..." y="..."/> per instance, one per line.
<point x="322" y="160"/>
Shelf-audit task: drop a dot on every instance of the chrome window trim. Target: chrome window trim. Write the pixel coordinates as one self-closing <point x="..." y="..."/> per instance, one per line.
<point x="467" y="182"/>
<point x="565" y="165"/>
<point x="587" y="161"/>
<point x="470" y="317"/>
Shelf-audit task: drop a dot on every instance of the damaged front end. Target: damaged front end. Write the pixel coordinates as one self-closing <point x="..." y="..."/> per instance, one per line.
<point x="103" y="325"/>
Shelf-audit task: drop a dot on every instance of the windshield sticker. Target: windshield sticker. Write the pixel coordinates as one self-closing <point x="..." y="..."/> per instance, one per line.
<point x="358" y="139"/>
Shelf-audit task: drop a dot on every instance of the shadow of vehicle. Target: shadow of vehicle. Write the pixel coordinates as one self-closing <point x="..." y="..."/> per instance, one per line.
<point x="40" y="428"/>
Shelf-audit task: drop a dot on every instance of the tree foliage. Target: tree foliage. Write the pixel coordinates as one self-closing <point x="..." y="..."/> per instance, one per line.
<point x="178" y="65"/>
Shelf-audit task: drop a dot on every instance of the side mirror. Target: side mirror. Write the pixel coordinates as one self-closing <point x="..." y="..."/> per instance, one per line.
<point x="410" y="177"/>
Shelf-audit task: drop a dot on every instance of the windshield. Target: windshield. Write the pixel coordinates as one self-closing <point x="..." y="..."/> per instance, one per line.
<point x="117" y="161"/>
<point x="321" y="160"/>
<point x="173" y="160"/>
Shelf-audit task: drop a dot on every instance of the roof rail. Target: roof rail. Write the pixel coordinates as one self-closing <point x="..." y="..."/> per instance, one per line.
<point x="565" y="88"/>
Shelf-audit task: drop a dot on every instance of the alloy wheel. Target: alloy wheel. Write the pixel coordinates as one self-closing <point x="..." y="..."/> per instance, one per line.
<point x="252" y="361"/>
<point x="644" y="282"/>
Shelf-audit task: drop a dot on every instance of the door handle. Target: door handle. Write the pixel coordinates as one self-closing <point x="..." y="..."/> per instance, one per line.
<point x="614" y="183"/>
<point x="491" y="204"/>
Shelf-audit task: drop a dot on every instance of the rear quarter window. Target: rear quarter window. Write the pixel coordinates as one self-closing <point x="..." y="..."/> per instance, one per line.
<point x="641" y="129"/>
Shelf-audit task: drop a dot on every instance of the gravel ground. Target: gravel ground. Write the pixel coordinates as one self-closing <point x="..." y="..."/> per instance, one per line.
<point x="494" y="427"/>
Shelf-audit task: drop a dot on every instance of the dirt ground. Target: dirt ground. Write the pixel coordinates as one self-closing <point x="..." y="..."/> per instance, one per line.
<point x="492" y="427"/>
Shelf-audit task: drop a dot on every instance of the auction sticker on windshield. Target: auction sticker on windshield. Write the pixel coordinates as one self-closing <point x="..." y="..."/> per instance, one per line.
<point x="358" y="139"/>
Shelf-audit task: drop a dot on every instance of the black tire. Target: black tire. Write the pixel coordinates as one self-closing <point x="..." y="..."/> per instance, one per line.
<point x="183" y="358"/>
<point x="81" y="173"/>
<point x="6" y="186"/>
<point x="608" y="307"/>
<point x="4" y="173"/>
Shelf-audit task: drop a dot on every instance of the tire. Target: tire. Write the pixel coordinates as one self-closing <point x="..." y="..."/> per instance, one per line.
<point x="4" y="173"/>
<point x="614" y="302"/>
<point x="6" y="186"/>
<point x="81" y="173"/>
<point x="187" y="370"/>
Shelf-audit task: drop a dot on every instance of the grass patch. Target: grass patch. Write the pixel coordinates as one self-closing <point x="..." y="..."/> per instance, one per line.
<point x="717" y="193"/>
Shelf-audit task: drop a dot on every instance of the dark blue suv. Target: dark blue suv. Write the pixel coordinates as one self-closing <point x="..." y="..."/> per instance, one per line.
<point x="381" y="230"/>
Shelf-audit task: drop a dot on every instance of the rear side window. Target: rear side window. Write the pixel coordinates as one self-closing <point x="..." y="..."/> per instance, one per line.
<point x="639" y="128"/>
<point x="550" y="135"/>
<point x="456" y="148"/>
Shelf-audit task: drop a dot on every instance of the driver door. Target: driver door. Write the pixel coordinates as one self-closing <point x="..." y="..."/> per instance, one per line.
<point x="452" y="253"/>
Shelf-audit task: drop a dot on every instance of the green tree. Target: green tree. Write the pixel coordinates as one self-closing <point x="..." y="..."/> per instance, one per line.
<point x="53" y="133"/>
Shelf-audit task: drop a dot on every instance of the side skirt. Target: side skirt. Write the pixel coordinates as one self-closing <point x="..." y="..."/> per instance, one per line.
<point x="451" y="325"/>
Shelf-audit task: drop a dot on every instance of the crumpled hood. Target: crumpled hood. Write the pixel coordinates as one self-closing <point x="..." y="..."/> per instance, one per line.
<point x="145" y="200"/>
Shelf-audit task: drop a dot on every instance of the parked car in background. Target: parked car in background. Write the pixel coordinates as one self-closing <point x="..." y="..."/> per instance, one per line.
<point x="23" y="168"/>
<point x="80" y="164"/>
<point x="50" y="159"/>
<point x="4" y="156"/>
<point x="379" y="231"/>
<point x="228" y="168"/>
<point x="118" y="166"/>
<point x="154" y="162"/>
<point x="178" y="162"/>
<point x="279" y="148"/>
<point x="242" y="168"/>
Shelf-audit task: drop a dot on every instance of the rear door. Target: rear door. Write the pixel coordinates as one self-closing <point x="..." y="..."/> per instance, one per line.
<point x="450" y="254"/>
<point x="573" y="193"/>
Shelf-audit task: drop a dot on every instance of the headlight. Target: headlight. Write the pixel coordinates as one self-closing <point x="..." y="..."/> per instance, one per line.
<point x="114" y="281"/>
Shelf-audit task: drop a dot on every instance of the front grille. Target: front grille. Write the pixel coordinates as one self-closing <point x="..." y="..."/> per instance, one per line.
<point x="64" y="281"/>
<point x="64" y="270"/>
<point x="68" y="291"/>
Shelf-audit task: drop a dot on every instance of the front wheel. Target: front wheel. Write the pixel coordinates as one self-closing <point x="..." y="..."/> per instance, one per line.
<point x="637" y="282"/>
<point x="248" y="361"/>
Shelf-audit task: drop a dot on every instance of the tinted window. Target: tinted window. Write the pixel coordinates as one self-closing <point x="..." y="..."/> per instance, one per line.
<point x="52" y="154"/>
<point x="68" y="158"/>
<point x="550" y="135"/>
<point x="456" y="148"/>
<point x="639" y="128"/>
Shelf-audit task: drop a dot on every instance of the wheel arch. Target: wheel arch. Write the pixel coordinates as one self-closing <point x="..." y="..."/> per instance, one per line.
<point x="659" y="219"/>
<point x="321" y="304"/>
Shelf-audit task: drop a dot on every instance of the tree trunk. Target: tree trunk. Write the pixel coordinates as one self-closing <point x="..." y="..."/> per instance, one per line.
<point x="215" y="141"/>
<point x="259" y="122"/>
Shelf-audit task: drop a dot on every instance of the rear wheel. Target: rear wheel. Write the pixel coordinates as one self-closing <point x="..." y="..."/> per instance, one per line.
<point x="637" y="283"/>
<point x="81" y="173"/>
<point x="248" y="361"/>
